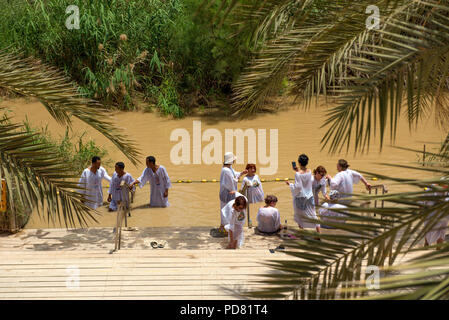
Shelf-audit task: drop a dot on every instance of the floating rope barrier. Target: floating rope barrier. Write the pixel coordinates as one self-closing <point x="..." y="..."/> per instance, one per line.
<point x="215" y="180"/>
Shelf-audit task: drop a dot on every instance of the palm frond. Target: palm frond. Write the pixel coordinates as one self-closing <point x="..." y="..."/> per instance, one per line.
<point x="334" y="266"/>
<point x="425" y="277"/>
<point x="39" y="178"/>
<point x="29" y="77"/>
<point x="369" y="73"/>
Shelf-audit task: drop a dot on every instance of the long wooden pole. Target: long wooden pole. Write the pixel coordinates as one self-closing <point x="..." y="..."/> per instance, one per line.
<point x="424" y="156"/>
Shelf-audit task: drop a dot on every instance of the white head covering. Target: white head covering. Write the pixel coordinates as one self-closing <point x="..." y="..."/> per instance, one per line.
<point x="238" y="194"/>
<point x="229" y="158"/>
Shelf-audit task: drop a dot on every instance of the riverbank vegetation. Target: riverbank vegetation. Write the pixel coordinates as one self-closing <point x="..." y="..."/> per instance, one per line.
<point x="165" y="53"/>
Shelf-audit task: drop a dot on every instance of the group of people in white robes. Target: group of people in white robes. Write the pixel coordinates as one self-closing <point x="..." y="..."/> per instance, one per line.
<point x="305" y="191"/>
<point x="307" y="186"/>
<point x="90" y="184"/>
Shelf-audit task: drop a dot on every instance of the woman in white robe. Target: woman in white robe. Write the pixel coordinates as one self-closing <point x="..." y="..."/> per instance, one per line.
<point x="302" y="193"/>
<point x="90" y="183"/>
<point x="253" y="184"/>
<point x="344" y="180"/>
<point x="115" y="191"/>
<point x="228" y="182"/>
<point x="319" y="184"/>
<point x="159" y="181"/>
<point x="268" y="217"/>
<point x="237" y="218"/>
<point x="226" y="211"/>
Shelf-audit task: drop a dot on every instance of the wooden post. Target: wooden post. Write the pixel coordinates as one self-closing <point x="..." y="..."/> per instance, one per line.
<point x="123" y="209"/>
<point x="244" y="191"/>
<point x="424" y="156"/>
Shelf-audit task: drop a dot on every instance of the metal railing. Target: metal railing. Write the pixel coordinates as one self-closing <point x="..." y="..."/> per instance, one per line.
<point x="377" y="189"/>
<point x="123" y="211"/>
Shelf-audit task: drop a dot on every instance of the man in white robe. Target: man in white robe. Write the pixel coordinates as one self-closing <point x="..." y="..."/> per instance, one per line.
<point x="345" y="179"/>
<point x="90" y="183"/>
<point x="159" y="181"/>
<point x="115" y="191"/>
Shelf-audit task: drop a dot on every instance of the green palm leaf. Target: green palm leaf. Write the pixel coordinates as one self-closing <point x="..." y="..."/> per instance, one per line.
<point x="334" y="266"/>
<point x="39" y="178"/>
<point x="36" y="177"/>
<point x="60" y="97"/>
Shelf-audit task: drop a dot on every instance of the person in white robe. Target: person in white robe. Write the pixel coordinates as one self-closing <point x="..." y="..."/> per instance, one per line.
<point x="344" y="180"/>
<point x="226" y="211"/>
<point x="302" y="193"/>
<point x="319" y="184"/>
<point x="90" y="183"/>
<point x="253" y="185"/>
<point x="115" y="190"/>
<point x="437" y="233"/>
<point x="327" y="213"/>
<point x="159" y="181"/>
<point x="268" y="217"/>
<point x="228" y="182"/>
<point x="237" y="217"/>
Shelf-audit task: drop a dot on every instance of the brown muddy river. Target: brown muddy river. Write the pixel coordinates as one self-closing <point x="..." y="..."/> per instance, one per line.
<point x="197" y="204"/>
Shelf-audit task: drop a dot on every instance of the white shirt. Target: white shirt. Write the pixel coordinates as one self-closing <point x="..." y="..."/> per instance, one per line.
<point x="344" y="180"/>
<point x="268" y="219"/>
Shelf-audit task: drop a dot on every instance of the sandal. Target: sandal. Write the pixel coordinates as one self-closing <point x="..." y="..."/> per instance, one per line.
<point x="154" y="244"/>
<point x="218" y="233"/>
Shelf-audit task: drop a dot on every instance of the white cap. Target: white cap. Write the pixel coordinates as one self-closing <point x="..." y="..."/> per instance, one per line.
<point x="229" y="158"/>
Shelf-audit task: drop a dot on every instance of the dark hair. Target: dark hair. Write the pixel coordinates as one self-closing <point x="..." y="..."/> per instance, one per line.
<point x="303" y="160"/>
<point x="343" y="163"/>
<point x="95" y="159"/>
<point x="240" y="200"/>
<point x="251" y="165"/>
<point x="321" y="170"/>
<point x="120" y="164"/>
<point x="269" y="199"/>
<point x="151" y="159"/>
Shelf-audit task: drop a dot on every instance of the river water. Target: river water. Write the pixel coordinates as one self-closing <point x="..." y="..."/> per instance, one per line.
<point x="197" y="204"/>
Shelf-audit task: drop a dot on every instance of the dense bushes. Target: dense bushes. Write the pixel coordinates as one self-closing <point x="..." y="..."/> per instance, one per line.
<point x="123" y="47"/>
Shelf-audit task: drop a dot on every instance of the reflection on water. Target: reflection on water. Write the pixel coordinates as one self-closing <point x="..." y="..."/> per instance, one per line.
<point x="197" y="204"/>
